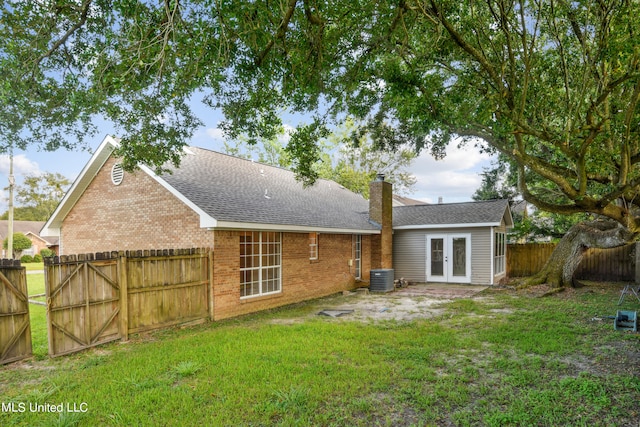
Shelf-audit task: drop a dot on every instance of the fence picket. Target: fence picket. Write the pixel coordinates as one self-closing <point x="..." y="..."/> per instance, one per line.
<point x="95" y="298"/>
<point x="15" y="327"/>
<point x="615" y="264"/>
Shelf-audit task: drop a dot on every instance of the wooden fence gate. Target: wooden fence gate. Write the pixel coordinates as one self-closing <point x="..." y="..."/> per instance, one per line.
<point x="15" y="329"/>
<point x="82" y="303"/>
<point x="96" y="298"/>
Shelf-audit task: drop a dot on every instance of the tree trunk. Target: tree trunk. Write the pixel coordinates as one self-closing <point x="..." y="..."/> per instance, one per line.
<point x="559" y="268"/>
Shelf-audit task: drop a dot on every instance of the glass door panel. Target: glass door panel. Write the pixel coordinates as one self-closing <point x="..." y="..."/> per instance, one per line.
<point x="448" y="258"/>
<point x="459" y="256"/>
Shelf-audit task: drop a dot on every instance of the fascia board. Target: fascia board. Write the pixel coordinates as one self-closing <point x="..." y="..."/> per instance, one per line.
<point x="435" y="226"/>
<point x="101" y="155"/>
<point x="228" y="225"/>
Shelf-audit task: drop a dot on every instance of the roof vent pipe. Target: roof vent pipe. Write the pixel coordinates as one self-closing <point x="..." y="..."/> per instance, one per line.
<point x="440" y="200"/>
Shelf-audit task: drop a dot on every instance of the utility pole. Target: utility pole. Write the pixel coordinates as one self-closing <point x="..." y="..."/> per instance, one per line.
<point x="12" y="182"/>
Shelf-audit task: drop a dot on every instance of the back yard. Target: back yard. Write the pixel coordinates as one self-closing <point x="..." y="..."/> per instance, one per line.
<point x="495" y="358"/>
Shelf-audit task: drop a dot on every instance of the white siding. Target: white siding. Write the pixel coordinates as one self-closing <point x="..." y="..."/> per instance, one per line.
<point x="409" y="257"/>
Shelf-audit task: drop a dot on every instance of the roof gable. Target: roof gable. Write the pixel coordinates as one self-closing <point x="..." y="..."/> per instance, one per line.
<point x="468" y="214"/>
<point x="229" y="192"/>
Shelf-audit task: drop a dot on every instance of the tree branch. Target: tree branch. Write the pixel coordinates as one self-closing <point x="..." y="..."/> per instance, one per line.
<point x="464" y="45"/>
<point x="75" y="27"/>
<point x="282" y="30"/>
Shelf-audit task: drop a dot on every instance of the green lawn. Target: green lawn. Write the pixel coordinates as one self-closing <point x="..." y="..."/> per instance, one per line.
<point x="500" y="359"/>
<point x="35" y="283"/>
<point x="38" y="315"/>
<point x="31" y="266"/>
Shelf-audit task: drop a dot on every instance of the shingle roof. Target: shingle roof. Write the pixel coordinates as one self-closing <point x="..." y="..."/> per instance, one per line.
<point x="483" y="212"/>
<point x="406" y="201"/>
<point x="20" y="227"/>
<point x="235" y="190"/>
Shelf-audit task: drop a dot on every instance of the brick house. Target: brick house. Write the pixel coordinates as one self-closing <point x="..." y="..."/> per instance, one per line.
<point x="31" y="230"/>
<point x="274" y="241"/>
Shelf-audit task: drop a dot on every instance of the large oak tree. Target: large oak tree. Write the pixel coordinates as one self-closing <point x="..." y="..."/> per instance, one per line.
<point x="553" y="85"/>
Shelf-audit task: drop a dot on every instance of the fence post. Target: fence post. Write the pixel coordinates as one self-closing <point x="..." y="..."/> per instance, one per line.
<point x="211" y="296"/>
<point x="124" y="300"/>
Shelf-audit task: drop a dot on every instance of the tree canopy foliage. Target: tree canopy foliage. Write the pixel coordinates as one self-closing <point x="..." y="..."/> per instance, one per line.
<point x="38" y="196"/>
<point x="352" y="164"/>
<point x="552" y="85"/>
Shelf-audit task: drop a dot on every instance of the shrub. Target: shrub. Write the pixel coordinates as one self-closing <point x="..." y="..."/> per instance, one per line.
<point x="37" y="258"/>
<point x="25" y="259"/>
<point x="46" y="253"/>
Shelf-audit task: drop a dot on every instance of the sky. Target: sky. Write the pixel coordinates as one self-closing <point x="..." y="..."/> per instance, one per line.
<point x="454" y="178"/>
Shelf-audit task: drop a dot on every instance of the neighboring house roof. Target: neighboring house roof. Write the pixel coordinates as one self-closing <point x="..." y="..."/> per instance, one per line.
<point x="406" y="201"/>
<point x="468" y="214"/>
<point x="27" y="228"/>
<point x="23" y="227"/>
<point x="229" y="192"/>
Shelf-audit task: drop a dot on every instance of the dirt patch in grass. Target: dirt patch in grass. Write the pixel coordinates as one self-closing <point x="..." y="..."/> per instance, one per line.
<point x="405" y="304"/>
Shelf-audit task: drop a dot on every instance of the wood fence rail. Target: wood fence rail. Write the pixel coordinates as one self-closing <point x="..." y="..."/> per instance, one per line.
<point x="615" y="264"/>
<point x="102" y="297"/>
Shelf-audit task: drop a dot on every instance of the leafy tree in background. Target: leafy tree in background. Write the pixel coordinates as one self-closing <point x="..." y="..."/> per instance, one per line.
<point x="20" y="243"/>
<point x="38" y="196"/>
<point x="554" y="86"/>
<point x="353" y="161"/>
<point x="352" y="164"/>
<point x="498" y="182"/>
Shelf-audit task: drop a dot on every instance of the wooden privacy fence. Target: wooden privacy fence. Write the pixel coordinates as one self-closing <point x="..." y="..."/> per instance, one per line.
<point x="96" y="298"/>
<point x="527" y="259"/>
<point x="15" y="329"/>
<point x="615" y="264"/>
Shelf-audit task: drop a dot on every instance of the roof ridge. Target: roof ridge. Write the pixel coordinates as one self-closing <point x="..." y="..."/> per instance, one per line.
<point x="455" y="203"/>
<point x="268" y="165"/>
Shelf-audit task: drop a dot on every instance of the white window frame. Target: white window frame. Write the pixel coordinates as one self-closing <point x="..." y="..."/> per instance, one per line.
<point x="357" y="255"/>
<point x="260" y="264"/>
<point x="500" y="251"/>
<point x="313" y="246"/>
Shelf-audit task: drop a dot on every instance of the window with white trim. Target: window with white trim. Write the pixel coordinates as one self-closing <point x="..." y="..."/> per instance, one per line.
<point x="357" y="255"/>
<point x="313" y="246"/>
<point x="260" y="263"/>
<point x="500" y="250"/>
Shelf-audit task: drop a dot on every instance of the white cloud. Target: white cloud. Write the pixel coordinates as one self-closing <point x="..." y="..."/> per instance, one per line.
<point x="21" y="165"/>
<point x="454" y="178"/>
<point x="216" y="134"/>
<point x="288" y="131"/>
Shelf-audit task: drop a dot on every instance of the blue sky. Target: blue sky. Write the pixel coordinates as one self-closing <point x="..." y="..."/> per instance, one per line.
<point x="455" y="178"/>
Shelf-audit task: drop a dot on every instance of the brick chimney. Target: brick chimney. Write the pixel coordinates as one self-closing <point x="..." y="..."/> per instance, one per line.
<point x="380" y="212"/>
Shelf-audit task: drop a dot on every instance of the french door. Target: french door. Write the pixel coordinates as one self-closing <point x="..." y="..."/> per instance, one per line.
<point x="449" y="258"/>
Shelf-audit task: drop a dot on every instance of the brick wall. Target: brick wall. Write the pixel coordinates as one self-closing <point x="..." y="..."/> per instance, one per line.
<point x="302" y="279"/>
<point x="137" y="214"/>
<point x="141" y="214"/>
